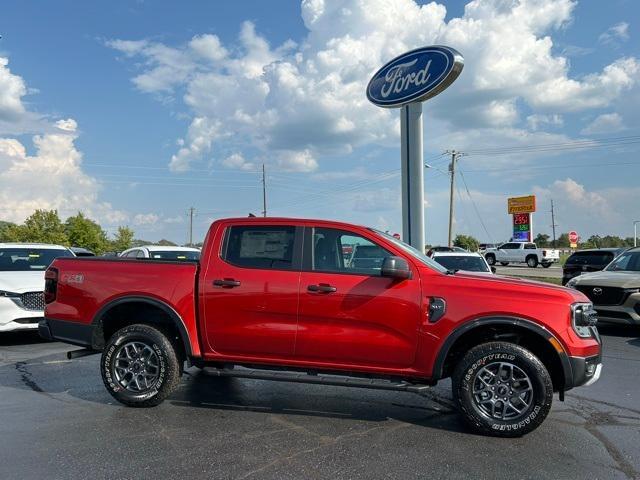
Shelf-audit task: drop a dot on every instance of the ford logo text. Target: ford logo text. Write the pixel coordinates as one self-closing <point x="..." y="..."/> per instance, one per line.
<point x="415" y="76"/>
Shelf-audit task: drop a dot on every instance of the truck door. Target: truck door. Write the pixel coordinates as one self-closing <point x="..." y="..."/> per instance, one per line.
<point x="250" y="291"/>
<point x="349" y="314"/>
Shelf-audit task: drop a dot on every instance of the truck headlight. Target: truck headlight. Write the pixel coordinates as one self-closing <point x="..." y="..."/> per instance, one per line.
<point x="572" y="283"/>
<point x="583" y="319"/>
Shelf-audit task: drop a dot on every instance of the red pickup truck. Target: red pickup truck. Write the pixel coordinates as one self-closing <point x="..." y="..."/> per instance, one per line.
<point x="285" y="299"/>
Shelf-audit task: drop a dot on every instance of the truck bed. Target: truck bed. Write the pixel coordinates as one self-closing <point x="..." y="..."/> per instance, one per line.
<point x="86" y="286"/>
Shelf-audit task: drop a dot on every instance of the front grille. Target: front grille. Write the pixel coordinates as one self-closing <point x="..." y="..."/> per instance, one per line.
<point x="604" y="295"/>
<point x="32" y="300"/>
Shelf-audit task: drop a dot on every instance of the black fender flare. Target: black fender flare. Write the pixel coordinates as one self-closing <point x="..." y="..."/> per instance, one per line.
<point x="97" y="339"/>
<point x="438" y="367"/>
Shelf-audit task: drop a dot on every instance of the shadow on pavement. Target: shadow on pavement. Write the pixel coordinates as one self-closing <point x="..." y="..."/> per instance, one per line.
<point x="623" y="331"/>
<point x="28" y="337"/>
<point x="222" y="393"/>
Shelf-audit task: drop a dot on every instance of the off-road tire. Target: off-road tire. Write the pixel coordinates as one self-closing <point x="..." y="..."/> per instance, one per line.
<point x="490" y="258"/>
<point x="532" y="261"/>
<point x="166" y="359"/>
<point x="471" y="366"/>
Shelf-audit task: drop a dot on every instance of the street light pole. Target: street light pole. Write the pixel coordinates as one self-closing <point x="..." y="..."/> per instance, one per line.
<point x="635" y="233"/>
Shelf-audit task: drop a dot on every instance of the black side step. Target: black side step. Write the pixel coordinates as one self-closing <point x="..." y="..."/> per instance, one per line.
<point x="317" y="379"/>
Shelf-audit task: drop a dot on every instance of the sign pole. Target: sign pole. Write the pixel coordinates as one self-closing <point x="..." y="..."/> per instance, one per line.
<point x="412" y="175"/>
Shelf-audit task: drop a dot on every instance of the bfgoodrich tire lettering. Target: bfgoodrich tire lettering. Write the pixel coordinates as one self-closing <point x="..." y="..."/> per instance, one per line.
<point x="139" y="366"/>
<point x="530" y="395"/>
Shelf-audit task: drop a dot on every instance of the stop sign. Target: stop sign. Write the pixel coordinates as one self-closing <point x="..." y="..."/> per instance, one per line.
<point x="573" y="237"/>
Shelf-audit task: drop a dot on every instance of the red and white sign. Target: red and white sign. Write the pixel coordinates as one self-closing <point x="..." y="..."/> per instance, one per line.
<point x="573" y="237"/>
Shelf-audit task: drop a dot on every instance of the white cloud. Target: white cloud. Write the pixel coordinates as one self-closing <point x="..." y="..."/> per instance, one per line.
<point x="145" y="219"/>
<point x="237" y="161"/>
<point x="618" y="32"/>
<point x="538" y="121"/>
<point x="308" y="100"/>
<point x="297" y="161"/>
<point x="52" y="178"/>
<point x="605" y="123"/>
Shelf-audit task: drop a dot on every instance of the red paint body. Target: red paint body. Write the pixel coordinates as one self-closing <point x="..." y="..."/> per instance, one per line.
<point x="370" y="324"/>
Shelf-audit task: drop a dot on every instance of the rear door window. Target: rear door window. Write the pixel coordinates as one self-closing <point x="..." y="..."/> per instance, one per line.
<point x="262" y="247"/>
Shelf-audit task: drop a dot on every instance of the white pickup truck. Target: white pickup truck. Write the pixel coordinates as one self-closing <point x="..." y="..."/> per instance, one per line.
<point x="521" y="252"/>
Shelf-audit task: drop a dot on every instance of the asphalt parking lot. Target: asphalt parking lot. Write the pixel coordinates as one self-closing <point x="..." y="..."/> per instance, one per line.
<point x="58" y="421"/>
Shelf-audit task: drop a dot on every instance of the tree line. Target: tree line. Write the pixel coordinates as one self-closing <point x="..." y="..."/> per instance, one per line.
<point x="45" y="226"/>
<point x="543" y="240"/>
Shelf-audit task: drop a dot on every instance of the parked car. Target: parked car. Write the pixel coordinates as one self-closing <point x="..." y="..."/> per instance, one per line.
<point x="22" y="267"/>
<point x="433" y="250"/>
<point x="585" y="261"/>
<point x="276" y="297"/>
<point x="160" y="252"/>
<point x="483" y="246"/>
<point x="465" y="261"/>
<point x="614" y="291"/>
<point x="521" y="252"/>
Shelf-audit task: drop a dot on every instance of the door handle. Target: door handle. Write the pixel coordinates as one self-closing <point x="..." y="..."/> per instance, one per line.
<point x="322" y="288"/>
<point x="226" y="283"/>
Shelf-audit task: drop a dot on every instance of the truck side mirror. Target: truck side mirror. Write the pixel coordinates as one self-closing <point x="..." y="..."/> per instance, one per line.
<point x="395" y="267"/>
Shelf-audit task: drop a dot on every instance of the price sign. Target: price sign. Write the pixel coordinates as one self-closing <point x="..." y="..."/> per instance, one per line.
<point x="522" y="227"/>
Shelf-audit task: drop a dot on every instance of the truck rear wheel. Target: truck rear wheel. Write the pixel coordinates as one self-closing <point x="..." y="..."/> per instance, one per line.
<point x="139" y="366"/>
<point x="502" y="389"/>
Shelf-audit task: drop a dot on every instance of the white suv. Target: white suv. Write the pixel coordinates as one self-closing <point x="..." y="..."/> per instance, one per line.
<point x="22" y="267"/>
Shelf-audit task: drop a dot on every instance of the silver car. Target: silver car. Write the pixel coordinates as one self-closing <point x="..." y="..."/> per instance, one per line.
<point x="615" y="291"/>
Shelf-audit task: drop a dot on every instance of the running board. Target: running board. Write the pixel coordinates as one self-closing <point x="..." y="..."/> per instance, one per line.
<point x="316" y="379"/>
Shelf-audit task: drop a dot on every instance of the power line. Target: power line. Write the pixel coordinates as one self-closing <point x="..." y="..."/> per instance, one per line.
<point x="475" y="207"/>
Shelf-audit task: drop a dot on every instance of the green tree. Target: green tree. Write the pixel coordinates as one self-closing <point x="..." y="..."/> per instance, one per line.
<point x="123" y="239"/>
<point x="542" y="240"/>
<point x="84" y="232"/>
<point x="165" y="243"/>
<point x="562" y="241"/>
<point x="467" y="242"/>
<point x="43" y="226"/>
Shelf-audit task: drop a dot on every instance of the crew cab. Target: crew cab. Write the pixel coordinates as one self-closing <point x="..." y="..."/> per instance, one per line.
<point x="521" y="252"/>
<point x="281" y="299"/>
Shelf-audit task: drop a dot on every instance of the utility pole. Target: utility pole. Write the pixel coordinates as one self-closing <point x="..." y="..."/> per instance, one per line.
<point x="264" y="193"/>
<point x="452" y="171"/>
<point x="553" y="224"/>
<point x="191" y="214"/>
<point x="635" y="233"/>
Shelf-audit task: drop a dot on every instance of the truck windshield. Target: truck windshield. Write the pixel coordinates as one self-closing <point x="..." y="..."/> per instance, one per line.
<point x="627" y="262"/>
<point x="29" y="259"/>
<point x="175" y="255"/>
<point x="414" y="252"/>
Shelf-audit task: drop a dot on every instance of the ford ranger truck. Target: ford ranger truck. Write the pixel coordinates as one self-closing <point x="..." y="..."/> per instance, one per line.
<point x="275" y="299"/>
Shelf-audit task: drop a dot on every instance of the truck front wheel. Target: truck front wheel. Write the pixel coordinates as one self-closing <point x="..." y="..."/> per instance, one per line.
<point x="139" y="366"/>
<point x="532" y="261"/>
<point x="502" y="389"/>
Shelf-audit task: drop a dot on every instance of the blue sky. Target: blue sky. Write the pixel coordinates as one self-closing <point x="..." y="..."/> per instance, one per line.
<point x="142" y="109"/>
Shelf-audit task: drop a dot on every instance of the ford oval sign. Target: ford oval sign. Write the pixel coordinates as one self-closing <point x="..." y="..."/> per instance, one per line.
<point x="415" y="76"/>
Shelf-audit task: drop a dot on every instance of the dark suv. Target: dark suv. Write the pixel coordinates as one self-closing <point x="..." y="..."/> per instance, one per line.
<point x="585" y="261"/>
